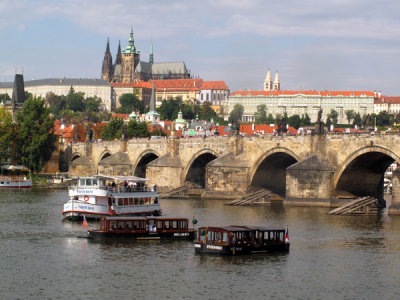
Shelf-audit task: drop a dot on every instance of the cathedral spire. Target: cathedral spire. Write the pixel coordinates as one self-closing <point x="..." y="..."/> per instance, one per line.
<point x="153" y="99"/>
<point x="118" y="58"/>
<point x="151" y="59"/>
<point x="107" y="67"/>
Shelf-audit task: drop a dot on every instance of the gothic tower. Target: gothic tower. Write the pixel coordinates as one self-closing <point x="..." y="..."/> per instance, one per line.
<point x="118" y="58"/>
<point x="277" y="83"/>
<point x="130" y="59"/>
<point x="268" y="82"/>
<point x="107" y="68"/>
<point x="151" y="58"/>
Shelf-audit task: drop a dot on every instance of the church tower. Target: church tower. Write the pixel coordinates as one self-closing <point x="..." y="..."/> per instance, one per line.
<point x="130" y="59"/>
<point x="268" y="82"/>
<point x="277" y="83"/>
<point x="107" y="68"/>
<point x="151" y="58"/>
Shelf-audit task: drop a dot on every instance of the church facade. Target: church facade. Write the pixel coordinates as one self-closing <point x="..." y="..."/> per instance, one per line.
<point x="128" y="67"/>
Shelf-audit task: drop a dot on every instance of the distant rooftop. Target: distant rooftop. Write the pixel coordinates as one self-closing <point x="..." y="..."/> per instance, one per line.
<point x="59" y="81"/>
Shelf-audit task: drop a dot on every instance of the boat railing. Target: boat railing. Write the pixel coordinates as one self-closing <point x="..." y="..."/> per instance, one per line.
<point x="13" y="178"/>
<point x="119" y="189"/>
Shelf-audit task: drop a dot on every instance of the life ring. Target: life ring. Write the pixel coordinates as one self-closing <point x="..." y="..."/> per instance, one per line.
<point x="86" y="198"/>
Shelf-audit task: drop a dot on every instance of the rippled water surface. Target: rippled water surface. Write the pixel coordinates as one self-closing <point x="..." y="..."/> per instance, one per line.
<point x="331" y="257"/>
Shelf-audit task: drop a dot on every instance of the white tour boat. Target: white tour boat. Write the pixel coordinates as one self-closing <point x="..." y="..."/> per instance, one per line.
<point x="100" y="195"/>
<point x="16" y="177"/>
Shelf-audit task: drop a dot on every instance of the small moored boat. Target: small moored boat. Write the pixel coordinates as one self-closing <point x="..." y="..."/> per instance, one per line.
<point x="143" y="228"/>
<point x="235" y="240"/>
<point x="15" y="177"/>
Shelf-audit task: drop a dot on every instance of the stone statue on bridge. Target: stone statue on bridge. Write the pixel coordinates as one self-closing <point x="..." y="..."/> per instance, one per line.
<point x="282" y="128"/>
<point x="319" y="125"/>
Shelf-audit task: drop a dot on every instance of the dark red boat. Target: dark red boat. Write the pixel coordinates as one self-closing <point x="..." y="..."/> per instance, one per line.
<point x="143" y="228"/>
<point x="236" y="240"/>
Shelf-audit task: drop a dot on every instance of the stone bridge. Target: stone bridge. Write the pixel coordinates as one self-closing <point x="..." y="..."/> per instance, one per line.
<point x="306" y="170"/>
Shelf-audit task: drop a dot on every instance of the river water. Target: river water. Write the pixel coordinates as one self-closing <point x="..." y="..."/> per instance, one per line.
<point x="331" y="257"/>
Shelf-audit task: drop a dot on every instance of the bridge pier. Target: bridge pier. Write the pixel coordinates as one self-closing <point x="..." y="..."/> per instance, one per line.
<point x="394" y="208"/>
<point x="308" y="182"/>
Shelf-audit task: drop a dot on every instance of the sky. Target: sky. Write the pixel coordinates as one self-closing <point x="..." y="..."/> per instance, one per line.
<point x="314" y="45"/>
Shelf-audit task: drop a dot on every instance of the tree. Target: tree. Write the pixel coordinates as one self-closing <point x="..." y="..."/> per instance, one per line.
<point x="59" y="103"/>
<point x="129" y="103"/>
<point x="384" y="119"/>
<point x="113" y="130"/>
<point x="136" y="129"/>
<point x="328" y="122"/>
<point x="4" y="98"/>
<point x="92" y="104"/>
<point x="294" y="121"/>
<point x="236" y="114"/>
<point x="357" y="120"/>
<point x="270" y="119"/>
<point x="333" y="115"/>
<point x="305" y="120"/>
<point x="169" y="108"/>
<point x="35" y="139"/>
<point x="350" y="114"/>
<point x="75" y="101"/>
<point x="260" y="116"/>
<point x="207" y="113"/>
<point x="188" y="112"/>
<point x="6" y="131"/>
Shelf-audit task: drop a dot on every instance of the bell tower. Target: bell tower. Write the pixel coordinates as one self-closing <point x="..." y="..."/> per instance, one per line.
<point x="277" y="83"/>
<point x="268" y="82"/>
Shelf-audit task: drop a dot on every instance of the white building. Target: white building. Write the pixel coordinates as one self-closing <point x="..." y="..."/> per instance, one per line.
<point x="215" y="92"/>
<point x="304" y="102"/>
<point x="389" y="104"/>
<point x="61" y="86"/>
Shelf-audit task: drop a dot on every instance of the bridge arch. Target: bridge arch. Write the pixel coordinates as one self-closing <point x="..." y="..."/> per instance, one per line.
<point x="103" y="155"/>
<point x="139" y="167"/>
<point x="76" y="155"/>
<point x="195" y="171"/>
<point x="362" y="172"/>
<point x="269" y="171"/>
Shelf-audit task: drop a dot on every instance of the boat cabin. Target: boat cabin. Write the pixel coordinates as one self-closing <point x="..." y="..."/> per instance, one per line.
<point x="143" y="224"/>
<point x="236" y="239"/>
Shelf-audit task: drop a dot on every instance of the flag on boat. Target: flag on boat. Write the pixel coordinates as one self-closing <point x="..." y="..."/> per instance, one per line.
<point x="85" y="224"/>
<point x="287" y="235"/>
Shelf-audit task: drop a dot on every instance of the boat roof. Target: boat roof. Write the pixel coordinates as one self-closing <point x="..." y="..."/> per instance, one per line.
<point x="124" y="178"/>
<point x="144" y="218"/>
<point x="236" y="228"/>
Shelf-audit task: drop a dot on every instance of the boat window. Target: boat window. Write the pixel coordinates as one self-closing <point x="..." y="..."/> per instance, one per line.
<point x="183" y="224"/>
<point x="95" y="182"/>
<point x="225" y="237"/>
<point x="143" y="224"/>
<point x="167" y="225"/>
<point x="210" y="236"/>
<point x="130" y="201"/>
<point x="128" y="225"/>
<point x="281" y="236"/>
<point x="175" y="224"/>
<point x="119" y="201"/>
<point x="159" y="224"/>
<point x="121" y="225"/>
<point x="81" y="182"/>
<point x="126" y="201"/>
<point x="218" y="236"/>
<point x="136" y="201"/>
<point x="113" y="225"/>
<point x="136" y="225"/>
<point x="88" y="182"/>
<point x="271" y="235"/>
<point x="141" y="201"/>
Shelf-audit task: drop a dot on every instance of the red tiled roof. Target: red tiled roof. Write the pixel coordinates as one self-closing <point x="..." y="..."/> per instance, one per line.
<point x="262" y="128"/>
<point x="177" y="84"/>
<point x="214" y="85"/>
<point x="135" y="84"/>
<point x="387" y="100"/>
<point x="314" y="93"/>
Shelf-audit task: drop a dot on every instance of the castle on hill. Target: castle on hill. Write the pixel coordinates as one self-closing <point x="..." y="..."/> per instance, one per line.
<point x="128" y="67"/>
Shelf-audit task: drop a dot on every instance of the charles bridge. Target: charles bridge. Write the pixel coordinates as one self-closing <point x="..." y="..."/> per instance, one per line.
<point x="303" y="169"/>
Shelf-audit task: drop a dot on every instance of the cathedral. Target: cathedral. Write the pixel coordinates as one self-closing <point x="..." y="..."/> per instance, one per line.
<point x="128" y="67"/>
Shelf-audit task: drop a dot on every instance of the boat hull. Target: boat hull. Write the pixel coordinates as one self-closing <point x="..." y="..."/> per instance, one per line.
<point x="23" y="184"/>
<point x="98" y="235"/>
<point x="201" y="248"/>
